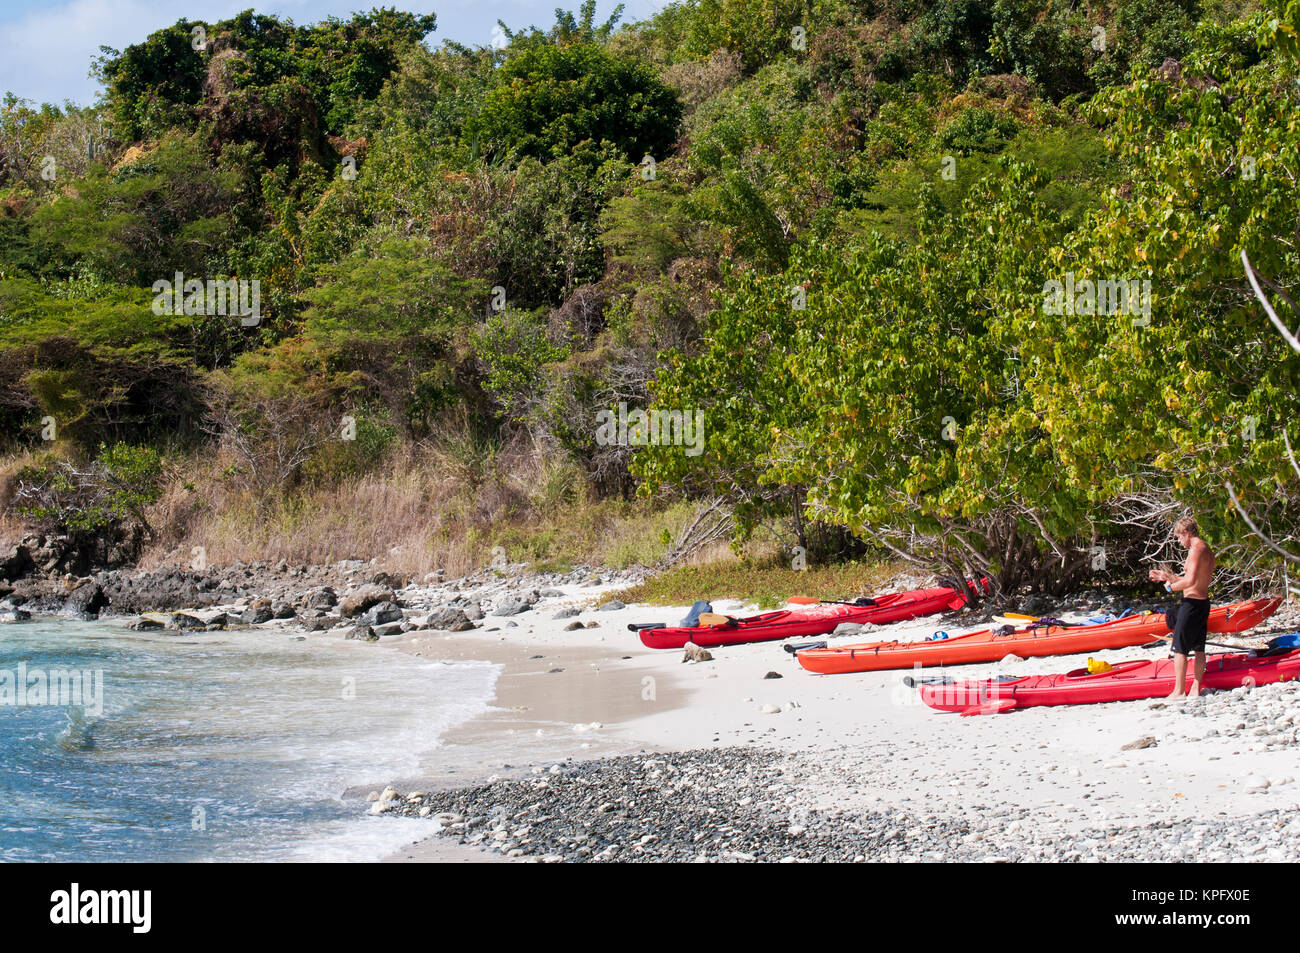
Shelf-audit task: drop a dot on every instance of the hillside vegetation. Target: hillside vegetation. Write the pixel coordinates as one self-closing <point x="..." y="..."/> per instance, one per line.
<point x="955" y="283"/>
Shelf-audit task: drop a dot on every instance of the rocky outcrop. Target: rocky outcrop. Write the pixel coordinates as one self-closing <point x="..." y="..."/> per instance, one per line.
<point x="259" y="611"/>
<point x="163" y="590"/>
<point x="359" y="600"/>
<point x="339" y="595"/>
<point x="16" y="563"/>
<point x="85" y="601"/>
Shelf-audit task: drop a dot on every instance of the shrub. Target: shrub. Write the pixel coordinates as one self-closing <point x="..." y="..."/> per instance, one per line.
<point x="100" y="505"/>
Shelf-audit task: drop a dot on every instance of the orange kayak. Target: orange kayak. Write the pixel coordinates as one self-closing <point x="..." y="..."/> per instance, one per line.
<point x="989" y="645"/>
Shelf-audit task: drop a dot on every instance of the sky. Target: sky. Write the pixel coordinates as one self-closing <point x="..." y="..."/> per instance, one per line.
<point x="46" y="46"/>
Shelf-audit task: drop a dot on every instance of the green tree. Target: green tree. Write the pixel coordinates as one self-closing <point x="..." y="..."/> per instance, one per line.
<point x="1170" y="410"/>
<point x="551" y="99"/>
<point x="515" y="349"/>
<point x="568" y="29"/>
<point x="393" y="316"/>
<point x="167" y="211"/>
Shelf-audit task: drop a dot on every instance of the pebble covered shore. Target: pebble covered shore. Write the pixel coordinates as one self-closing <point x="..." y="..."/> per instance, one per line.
<point x="350" y="596"/>
<point x="742" y="805"/>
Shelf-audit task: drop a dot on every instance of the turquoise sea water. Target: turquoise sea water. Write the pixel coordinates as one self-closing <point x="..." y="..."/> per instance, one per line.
<point x="214" y="746"/>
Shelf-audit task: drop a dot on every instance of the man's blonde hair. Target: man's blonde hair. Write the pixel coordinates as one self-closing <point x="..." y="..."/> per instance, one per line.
<point x="1186" y="525"/>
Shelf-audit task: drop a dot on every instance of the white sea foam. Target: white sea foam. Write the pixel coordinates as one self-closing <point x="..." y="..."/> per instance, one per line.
<point x="225" y="745"/>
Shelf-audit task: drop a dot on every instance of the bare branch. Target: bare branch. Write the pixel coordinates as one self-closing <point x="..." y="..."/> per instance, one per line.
<point x="1268" y="307"/>
<point x="1264" y="538"/>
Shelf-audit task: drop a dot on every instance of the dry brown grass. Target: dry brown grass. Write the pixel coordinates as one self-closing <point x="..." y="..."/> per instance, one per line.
<point x="428" y="507"/>
<point x="12" y="529"/>
<point x="405" y="515"/>
<point x="763" y="582"/>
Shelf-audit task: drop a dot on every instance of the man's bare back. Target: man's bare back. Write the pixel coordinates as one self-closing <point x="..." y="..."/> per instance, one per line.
<point x="1197" y="572"/>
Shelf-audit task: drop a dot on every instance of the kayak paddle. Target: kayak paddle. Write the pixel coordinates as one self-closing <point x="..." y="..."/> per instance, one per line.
<point x="1222" y="645"/>
<point x="792" y="649"/>
<point x="911" y="682"/>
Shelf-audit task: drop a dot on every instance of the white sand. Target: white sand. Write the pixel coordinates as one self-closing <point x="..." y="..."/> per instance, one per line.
<point x="879" y="746"/>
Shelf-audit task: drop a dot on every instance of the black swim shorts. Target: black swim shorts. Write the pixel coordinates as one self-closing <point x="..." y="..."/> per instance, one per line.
<point x="1190" y="627"/>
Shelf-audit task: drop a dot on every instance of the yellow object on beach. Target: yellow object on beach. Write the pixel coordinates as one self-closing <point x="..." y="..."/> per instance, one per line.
<point x="1097" y="666"/>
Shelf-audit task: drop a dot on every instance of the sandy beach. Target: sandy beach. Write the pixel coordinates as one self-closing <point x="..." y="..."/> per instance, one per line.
<point x="1025" y="785"/>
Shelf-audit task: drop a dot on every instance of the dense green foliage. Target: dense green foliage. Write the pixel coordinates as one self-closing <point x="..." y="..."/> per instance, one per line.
<point x="829" y="225"/>
<point x="551" y="99"/>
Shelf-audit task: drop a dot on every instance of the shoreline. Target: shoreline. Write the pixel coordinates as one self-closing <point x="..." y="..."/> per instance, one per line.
<point x="593" y="715"/>
<point x="865" y="751"/>
<point x="582" y="707"/>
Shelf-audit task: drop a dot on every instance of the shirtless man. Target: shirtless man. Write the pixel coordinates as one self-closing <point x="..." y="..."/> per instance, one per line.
<point x="1194" y="611"/>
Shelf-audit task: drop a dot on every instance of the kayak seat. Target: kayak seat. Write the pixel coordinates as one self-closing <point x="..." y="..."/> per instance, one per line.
<point x="1291" y="641"/>
<point x="1270" y="651"/>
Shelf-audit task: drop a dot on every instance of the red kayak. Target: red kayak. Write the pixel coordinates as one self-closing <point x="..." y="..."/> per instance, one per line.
<point x="813" y="620"/>
<point x="1147" y="678"/>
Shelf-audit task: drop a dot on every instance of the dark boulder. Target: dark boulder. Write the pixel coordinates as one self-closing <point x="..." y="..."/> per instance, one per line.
<point x="359" y="600"/>
<point x="86" y="600"/>
<point x="450" y="619"/>
<point x="322" y="598"/>
<point x="381" y="613"/>
<point x="258" y="612"/>
<point x="16" y="563"/>
<point x="185" y="622"/>
<point x="362" y="633"/>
